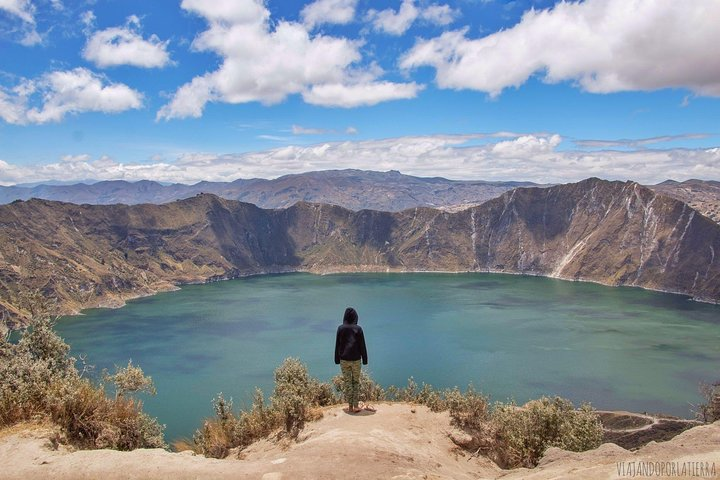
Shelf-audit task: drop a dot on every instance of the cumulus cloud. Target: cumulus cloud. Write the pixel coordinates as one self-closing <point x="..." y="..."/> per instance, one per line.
<point x="319" y="12"/>
<point x="602" y="46"/>
<point x="124" y="46"/>
<point x="65" y="92"/>
<point x="397" y="22"/>
<point x="536" y="157"/>
<point x="265" y="61"/>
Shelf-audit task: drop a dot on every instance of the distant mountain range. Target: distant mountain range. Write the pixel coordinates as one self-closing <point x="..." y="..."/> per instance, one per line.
<point x="353" y="189"/>
<point x="609" y="232"/>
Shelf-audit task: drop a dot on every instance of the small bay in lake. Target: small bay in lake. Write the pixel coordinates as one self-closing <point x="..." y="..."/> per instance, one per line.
<point x="510" y="336"/>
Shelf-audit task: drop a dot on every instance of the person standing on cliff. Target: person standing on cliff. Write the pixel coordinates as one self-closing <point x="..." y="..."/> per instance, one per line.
<point x="349" y="351"/>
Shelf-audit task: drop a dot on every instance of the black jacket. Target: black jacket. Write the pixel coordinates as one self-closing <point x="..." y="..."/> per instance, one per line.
<point x="350" y="343"/>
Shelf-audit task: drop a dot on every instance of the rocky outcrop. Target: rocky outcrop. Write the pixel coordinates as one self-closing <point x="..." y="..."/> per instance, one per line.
<point x="609" y="232"/>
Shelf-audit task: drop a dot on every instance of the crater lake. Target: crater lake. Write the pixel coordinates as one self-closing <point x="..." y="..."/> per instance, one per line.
<point x="510" y="336"/>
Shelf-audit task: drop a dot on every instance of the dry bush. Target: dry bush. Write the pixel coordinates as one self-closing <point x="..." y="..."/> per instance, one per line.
<point x="217" y="435"/>
<point x="522" y="434"/>
<point x="469" y="410"/>
<point x="709" y="411"/>
<point x="295" y="400"/>
<point x="38" y="379"/>
<point x="130" y="380"/>
<point x="259" y="422"/>
<point x="293" y="395"/>
<point x="92" y="420"/>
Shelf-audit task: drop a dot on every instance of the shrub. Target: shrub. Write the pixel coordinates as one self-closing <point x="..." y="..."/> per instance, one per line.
<point x="522" y="434"/>
<point x="257" y="423"/>
<point x="217" y="435"/>
<point x="130" y="380"/>
<point x="405" y="394"/>
<point x="38" y="379"/>
<point x="469" y="410"/>
<point x="92" y="420"/>
<point x="294" y="394"/>
<point x="709" y="412"/>
<point x="293" y="402"/>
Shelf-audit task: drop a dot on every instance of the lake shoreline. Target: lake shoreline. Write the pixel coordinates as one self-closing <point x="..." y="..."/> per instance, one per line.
<point x="120" y="301"/>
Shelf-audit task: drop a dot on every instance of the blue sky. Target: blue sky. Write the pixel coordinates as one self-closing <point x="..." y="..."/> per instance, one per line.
<point x="190" y="90"/>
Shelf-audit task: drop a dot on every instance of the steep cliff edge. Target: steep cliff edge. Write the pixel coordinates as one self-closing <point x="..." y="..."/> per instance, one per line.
<point x="609" y="232"/>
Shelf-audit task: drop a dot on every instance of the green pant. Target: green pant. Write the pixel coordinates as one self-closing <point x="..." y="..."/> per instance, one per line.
<point x="351" y="381"/>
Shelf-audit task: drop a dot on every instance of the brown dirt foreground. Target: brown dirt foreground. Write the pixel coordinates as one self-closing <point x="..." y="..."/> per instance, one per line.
<point x="400" y="441"/>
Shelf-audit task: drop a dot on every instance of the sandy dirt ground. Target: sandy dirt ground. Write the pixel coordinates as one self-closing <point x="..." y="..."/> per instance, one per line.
<point x="399" y="441"/>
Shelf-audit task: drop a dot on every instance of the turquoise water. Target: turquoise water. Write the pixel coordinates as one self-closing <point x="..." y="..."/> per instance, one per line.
<point x="511" y="336"/>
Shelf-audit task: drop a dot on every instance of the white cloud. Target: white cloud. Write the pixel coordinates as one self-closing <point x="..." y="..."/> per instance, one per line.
<point x="124" y="46"/>
<point x="265" y="62"/>
<point x="348" y="96"/>
<point x="319" y="12"/>
<point x="397" y="22"/>
<point x="75" y="158"/>
<point x="30" y="37"/>
<point x="439" y="14"/>
<point x="23" y="9"/>
<point x="300" y="130"/>
<point x="12" y="107"/>
<point x="531" y="156"/>
<point x="526" y="145"/>
<point x="65" y="92"/>
<point x="229" y="11"/>
<point x="601" y="45"/>
<point x="87" y="18"/>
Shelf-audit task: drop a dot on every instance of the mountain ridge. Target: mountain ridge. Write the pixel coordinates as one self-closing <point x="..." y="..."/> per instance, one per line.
<point x="615" y="233"/>
<point x="351" y="188"/>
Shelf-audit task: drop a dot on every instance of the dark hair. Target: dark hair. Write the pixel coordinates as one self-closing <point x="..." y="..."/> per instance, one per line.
<point x="350" y="316"/>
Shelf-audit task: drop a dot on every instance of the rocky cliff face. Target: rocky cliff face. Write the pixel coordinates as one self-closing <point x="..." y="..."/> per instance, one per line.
<point x="608" y="232"/>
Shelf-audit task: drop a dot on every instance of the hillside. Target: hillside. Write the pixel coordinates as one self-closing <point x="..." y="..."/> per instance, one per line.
<point x="352" y="189"/>
<point x="702" y="195"/>
<point x="609" y="232"/>
<point x="399" y="441"/>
